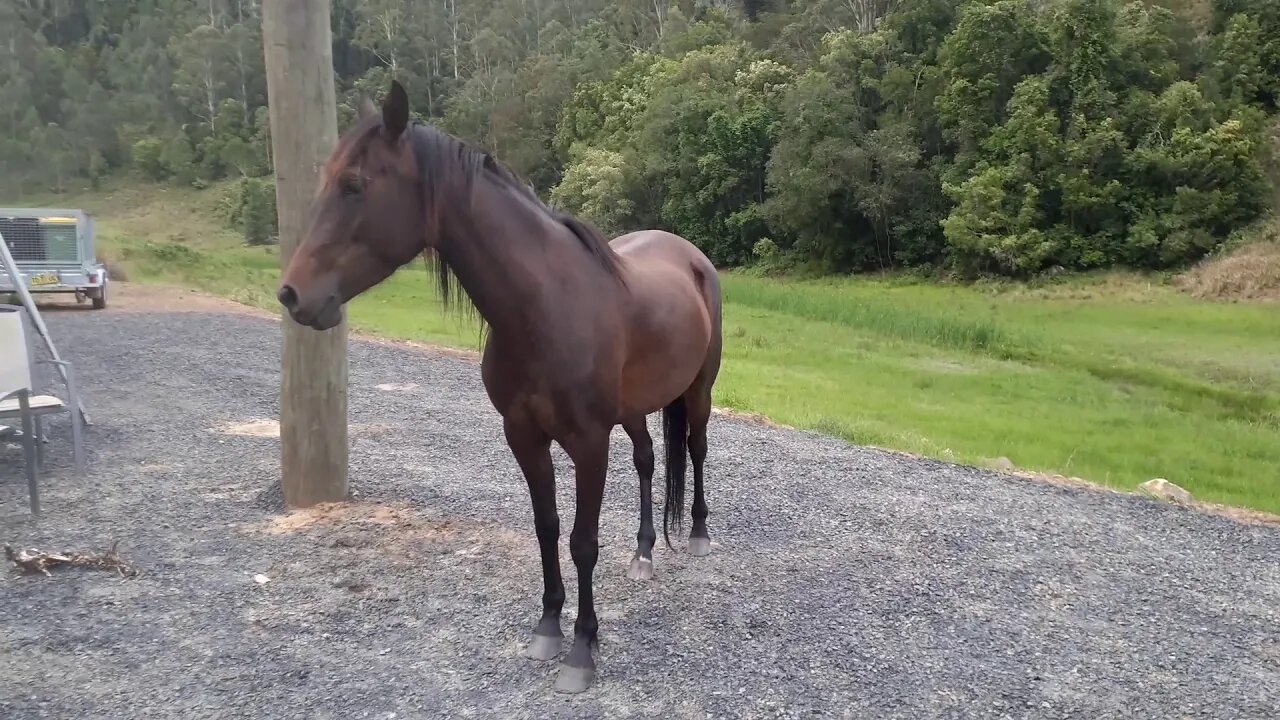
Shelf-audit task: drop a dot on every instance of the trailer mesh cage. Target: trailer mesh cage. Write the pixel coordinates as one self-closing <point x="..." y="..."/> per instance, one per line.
<point x="47" y="239"/>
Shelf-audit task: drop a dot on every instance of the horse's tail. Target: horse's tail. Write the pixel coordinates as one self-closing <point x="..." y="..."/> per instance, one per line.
<point x="675" y="433"/>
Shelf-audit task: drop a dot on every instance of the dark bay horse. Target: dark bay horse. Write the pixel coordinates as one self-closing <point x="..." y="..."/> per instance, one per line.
<point x="582" y="334"/>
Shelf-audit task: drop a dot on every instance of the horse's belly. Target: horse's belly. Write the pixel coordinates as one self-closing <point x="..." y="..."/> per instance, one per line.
<point x="666" y="351"/>
<point x="648" y="391"/>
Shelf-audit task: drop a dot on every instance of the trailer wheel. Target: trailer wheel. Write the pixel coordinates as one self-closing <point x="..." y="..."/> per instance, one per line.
<point x="100" y="298"/>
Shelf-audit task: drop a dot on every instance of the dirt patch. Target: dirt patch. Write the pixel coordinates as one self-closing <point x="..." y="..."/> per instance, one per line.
<point x="329" y="515"/>
<point x="945" y="367"/>
<point x="253" y="428"/>
<point x="397" y="387"/>
<point x="393" y="530"/>
<point x="271" y="428"/>
<point x="155" y="467"/>
<point x="382" y="534"/>
<point x="749" y="417"/>
<point x="1250" y="273"/>
<point x="133" y="297"/>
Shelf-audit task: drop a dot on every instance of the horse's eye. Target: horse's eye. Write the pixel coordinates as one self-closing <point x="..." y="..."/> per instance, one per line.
<point x="351" y="186"/>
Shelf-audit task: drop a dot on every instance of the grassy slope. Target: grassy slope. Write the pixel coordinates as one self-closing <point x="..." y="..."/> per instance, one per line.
<point x="1109" y="379"/>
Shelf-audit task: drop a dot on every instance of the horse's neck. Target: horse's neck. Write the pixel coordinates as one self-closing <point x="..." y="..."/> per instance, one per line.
<point x="501" y="257"/>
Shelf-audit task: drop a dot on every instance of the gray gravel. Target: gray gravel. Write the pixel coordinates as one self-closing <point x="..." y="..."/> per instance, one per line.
<point x="844" y="582"/>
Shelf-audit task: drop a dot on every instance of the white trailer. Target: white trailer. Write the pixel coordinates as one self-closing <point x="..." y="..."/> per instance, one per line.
<point x="54" y="252"/>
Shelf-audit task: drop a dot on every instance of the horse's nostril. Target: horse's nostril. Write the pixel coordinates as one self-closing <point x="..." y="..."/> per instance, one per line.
<point x="287" y="297"/>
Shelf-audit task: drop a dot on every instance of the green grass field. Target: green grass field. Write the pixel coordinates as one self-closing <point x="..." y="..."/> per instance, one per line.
<point x="1114" y="379"/>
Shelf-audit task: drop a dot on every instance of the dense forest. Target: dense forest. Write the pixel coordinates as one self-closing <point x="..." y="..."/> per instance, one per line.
<point x="983" y="136"/>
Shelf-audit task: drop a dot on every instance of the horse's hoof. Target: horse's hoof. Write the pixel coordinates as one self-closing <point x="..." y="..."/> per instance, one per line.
<point x="699" y="546"/>
<point x="575" y="679"/>
<point x="641" y="569"/>
<point x="543" y="647"/>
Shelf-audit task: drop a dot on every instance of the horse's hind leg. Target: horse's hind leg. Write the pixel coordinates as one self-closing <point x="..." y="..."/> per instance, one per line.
<point x="698" y="401"/>
<point x="642" y="564"/>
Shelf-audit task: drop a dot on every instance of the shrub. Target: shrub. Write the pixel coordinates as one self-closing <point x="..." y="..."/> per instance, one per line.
<point x="250" y="206"/>
<point x="147" y="155"/>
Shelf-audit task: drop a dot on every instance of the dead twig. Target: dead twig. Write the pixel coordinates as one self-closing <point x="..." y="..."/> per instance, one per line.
<point x="33" y="560"/>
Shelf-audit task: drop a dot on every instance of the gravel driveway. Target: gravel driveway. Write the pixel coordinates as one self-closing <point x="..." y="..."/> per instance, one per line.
<point x="844" y="582"/>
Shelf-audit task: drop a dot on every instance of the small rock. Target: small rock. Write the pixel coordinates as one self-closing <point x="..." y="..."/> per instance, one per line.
<point x="1002" y="463"/>
<point x="261" y="579"/>
<point x="1162" y="489"/>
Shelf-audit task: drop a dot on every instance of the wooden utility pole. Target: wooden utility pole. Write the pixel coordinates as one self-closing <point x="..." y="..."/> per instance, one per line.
<point x="304" y="130"/>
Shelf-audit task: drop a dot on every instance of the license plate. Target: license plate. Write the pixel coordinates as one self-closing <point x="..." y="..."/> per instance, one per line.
<point x="44" y="279"/>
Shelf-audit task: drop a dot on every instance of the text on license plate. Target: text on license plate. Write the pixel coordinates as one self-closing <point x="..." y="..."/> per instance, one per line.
<point x="44" y="279"/>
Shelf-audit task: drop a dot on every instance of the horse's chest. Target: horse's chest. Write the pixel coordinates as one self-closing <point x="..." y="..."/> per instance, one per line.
<point x="555" y="396"/>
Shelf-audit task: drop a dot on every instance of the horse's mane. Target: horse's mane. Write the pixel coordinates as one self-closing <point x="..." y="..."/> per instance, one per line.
<point x="445" y="161"/>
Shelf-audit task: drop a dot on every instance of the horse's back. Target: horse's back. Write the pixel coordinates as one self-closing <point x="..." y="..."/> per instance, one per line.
<point x="656" y="244"/>
<point x="649" y="250"/>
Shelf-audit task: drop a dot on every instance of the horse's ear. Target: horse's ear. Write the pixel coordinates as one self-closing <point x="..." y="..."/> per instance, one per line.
<point x="395" y="111"/>
<point x="365" y="107"/>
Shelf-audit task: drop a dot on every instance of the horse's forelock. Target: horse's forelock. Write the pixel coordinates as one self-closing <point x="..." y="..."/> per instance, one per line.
<point x="350" y="146"/>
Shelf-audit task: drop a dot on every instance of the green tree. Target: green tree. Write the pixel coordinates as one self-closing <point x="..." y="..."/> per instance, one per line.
<point x="258" y="211"/>
<point x="598" y="185"/>
<point x="991" y="50"/>
<point x="1002" y="220"/>
<point x="1248" y="34"/>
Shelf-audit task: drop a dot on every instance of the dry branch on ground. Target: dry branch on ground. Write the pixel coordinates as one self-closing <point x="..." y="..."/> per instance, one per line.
<point x="33" y="560"/>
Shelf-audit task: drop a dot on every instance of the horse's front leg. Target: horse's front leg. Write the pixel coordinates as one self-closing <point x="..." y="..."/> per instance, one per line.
<point x="532" y="449"/>
<point x="590" y="454"/>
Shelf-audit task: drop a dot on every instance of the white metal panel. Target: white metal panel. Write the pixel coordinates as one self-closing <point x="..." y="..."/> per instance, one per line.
<point x="15" y="356"/>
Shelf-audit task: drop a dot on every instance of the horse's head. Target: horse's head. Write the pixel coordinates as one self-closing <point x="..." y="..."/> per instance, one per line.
<point x="366" y="219"/>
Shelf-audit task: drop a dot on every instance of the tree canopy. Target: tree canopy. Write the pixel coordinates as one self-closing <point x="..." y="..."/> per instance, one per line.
<point x="987" y="136"/>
